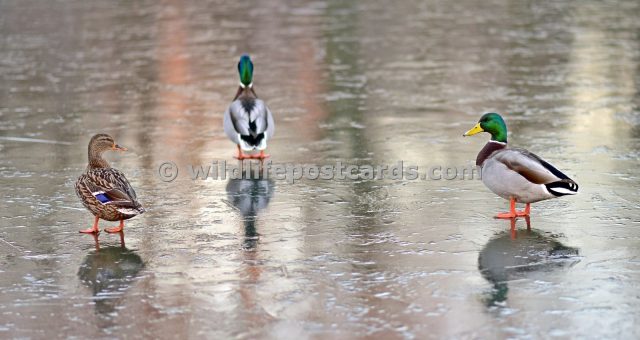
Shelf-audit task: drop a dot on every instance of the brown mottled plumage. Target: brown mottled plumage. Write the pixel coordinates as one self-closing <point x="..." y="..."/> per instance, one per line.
<point x="105" y="191"/>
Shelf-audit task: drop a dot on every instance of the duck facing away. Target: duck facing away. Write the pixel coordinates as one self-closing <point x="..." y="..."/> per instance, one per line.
<point x="517" y="174"/>
<point x="248" y="122"/>
<point x="105" y="191"/>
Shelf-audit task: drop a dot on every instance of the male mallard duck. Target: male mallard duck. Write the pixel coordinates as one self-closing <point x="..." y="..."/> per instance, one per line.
<point x="104" y="190"/>
<point x="517" y="174"/>
<point x="248" y="122"/>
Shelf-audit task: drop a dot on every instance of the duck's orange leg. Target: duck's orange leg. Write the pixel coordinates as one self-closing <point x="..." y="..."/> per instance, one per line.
<point x="241" y="155"/>
<point x="94" y="229"/>
<point x="117" y="229"/>
<point x="512" y="210"/>
<point x="524" y="212"/>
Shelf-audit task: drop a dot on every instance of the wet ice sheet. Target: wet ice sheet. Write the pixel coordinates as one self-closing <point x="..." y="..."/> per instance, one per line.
<point x="366" y="83"/>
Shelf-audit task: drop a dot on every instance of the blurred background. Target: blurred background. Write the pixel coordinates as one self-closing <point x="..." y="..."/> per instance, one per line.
<point x="359" y="82"/>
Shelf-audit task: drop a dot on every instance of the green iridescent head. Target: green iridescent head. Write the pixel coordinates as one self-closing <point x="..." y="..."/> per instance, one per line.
<point x="245" y="69"/>
<point x="493" y="124"/>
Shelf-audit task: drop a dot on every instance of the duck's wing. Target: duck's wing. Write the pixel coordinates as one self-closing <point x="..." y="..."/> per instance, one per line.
<point x="233" y="122"/>
<point x="530" y="166"/>
<point x="110" y="186"/>
<point x="237" y="118"/>
<point x="271" y="125"/>
<point x="262" y="116"/>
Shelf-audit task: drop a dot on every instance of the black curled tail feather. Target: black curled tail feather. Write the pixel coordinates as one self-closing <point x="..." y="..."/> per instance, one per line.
<point x="562" y="187"/>
<point x="251" y="140"/>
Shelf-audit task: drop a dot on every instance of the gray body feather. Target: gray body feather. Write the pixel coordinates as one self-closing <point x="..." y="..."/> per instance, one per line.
<point x="249" y="123"/>
<point x="524" y="176"/>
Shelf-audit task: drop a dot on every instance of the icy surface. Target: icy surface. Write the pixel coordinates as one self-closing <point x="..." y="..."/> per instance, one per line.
<point x="365" y="82"/>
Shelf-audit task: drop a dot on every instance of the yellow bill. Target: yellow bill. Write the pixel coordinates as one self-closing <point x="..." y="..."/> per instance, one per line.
<point x="474" y="130"/>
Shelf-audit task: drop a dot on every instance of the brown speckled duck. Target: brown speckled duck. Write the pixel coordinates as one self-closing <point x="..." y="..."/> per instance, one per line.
<point x="105" y="191"/>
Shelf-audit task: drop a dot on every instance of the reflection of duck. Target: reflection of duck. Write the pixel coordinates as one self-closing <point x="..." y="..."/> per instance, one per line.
<point x="250" y="196"/>
<point x="108" y="272"/>
<point x="510" y="256"/>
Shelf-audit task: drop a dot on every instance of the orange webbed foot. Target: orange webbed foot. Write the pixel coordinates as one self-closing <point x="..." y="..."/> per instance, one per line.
<point x="241" y="156"/>
<point x="113" y="230"/>
<point x="90" y="231"/>
<point x="524" y="212"/>
<point x="93" y="230"/>
<point x="514" y="213"/>
<point x="261" y="156"/>
<point x="117" y="229"/>
<point x="506" y="215"/>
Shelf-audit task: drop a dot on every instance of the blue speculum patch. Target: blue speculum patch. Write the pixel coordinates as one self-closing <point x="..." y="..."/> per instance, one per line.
<point x="102" y="198"/>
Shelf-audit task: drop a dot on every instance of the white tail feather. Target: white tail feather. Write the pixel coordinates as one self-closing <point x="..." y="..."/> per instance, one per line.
<point x="564" y="191"/>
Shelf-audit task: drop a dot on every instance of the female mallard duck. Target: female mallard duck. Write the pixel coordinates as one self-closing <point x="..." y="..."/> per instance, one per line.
<point x="517" y="174"/>
<point x="248" y="122"/>
<point x="104" y="190"/>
